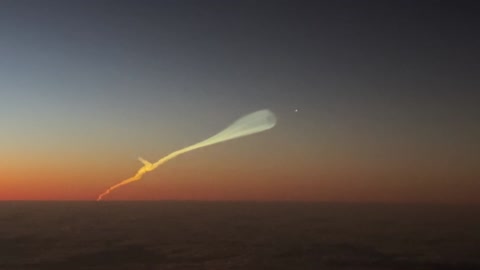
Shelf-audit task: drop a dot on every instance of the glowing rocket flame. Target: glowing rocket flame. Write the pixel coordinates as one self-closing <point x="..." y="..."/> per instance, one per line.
<point x="249" y="124"/>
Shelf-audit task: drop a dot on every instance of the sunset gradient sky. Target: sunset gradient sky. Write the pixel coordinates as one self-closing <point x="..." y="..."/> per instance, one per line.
<point x="386" y="92"/>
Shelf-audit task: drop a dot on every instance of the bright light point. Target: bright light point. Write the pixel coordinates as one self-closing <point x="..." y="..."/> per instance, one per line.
<point x="296" y="110"/>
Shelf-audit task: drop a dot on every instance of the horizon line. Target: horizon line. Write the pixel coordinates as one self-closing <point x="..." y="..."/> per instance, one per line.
<point x="243" y="201"/>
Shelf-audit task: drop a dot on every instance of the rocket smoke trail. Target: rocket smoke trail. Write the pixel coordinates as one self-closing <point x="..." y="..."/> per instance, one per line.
<point x="249" y="124"/>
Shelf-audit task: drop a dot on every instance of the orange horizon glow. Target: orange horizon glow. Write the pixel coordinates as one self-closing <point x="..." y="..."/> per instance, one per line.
<point x="226" y="185"/>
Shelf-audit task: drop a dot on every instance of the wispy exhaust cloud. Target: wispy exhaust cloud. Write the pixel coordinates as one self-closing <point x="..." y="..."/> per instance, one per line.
<point x="249" y="124"/>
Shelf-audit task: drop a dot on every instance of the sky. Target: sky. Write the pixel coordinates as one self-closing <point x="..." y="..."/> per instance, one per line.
<point x="387" y="94"/>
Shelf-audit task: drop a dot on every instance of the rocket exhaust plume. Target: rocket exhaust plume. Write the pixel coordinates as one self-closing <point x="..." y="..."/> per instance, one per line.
<point x="249" y="124"/>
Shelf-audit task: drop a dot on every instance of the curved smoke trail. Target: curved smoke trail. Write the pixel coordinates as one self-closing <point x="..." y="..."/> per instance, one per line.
<point x="249" y="124"/>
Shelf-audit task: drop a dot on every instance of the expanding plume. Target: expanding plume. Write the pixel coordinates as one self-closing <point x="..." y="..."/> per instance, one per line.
<point x="249" y="124"/>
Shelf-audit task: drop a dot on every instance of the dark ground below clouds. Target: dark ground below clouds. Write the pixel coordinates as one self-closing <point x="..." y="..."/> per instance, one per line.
<point x="235" y="235"/>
